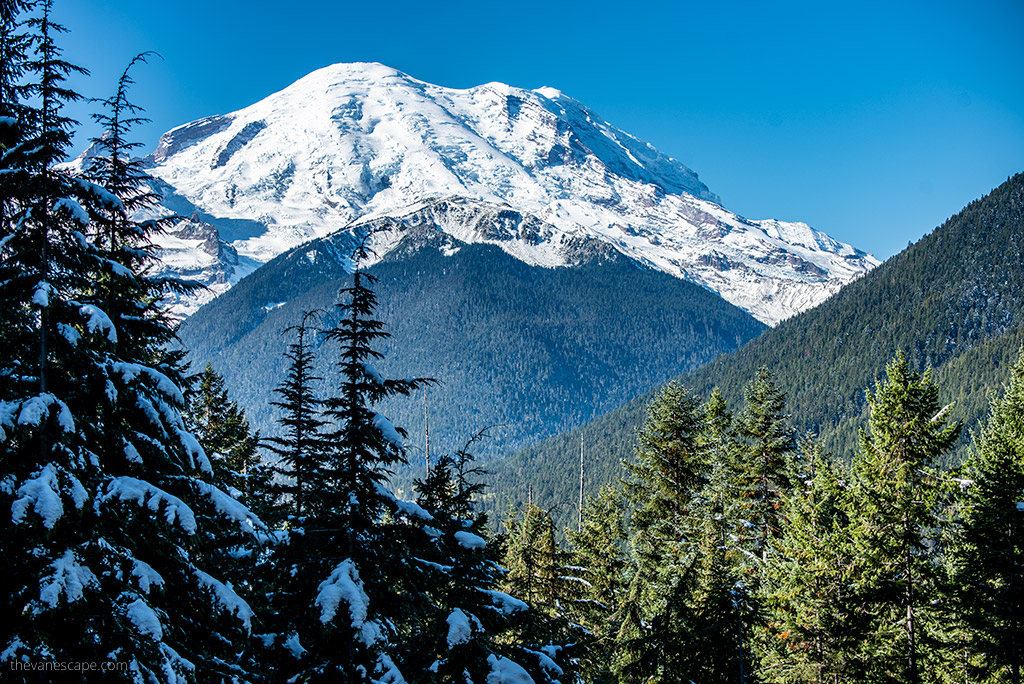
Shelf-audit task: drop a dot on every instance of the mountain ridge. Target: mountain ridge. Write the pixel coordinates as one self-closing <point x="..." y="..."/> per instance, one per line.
<point x="952" y="301"/>
<point x="534" y="349"/>
<point x="352" y="143"/>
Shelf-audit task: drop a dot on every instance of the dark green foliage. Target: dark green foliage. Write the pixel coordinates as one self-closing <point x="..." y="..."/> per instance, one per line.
<point x="468" y="624"/>
<point x="223" y="431"/>
<point x="349" y="561"/>
<point x="683" y="610"/>
<point x="894" y="523"/>
<point x="112" y="503"/>
<point x="988" y="546"/>
<point x="805" y="590"/>
<point x="534" y="562"/>
<point x="950" y="301"/>
<point x="599" y="563"/>
<point x="662" y="484"/>
<point x="762" y="461"/>
<point x="569" y="343"/>
<point x="300" y="449"/>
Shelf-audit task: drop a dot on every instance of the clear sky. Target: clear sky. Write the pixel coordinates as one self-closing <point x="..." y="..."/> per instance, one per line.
<point x="873" y="121"/>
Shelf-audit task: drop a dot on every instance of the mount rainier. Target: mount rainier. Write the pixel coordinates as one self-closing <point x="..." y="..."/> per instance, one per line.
<point x="355" y="143"/>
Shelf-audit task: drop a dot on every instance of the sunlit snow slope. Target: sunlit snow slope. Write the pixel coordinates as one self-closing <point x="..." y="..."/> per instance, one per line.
<point x="357" y="142"/>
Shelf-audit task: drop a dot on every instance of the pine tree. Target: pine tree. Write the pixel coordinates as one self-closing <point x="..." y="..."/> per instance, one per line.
<point x="110" y="510"/>
<point x="222" y="429"/>
<point x="301" y="447"/>
<point x="537" y="573"/>
<point x="894" y="519"/>
<point x="988" y="547"/>
<point x="670" y="542"/>
<point x="804" y="589"/>
<point x="764" y="459"/>
<point x="349" y="566"/>
<point x="599" y="564"/>
<point x="725" y="622"/>
<point x="471" y="624"/>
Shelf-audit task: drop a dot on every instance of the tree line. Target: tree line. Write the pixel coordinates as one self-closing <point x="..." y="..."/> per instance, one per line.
<point x="734" y="550"/>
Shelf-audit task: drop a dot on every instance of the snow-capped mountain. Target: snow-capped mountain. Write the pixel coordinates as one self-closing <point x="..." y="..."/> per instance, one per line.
<point x="353" y="143"/>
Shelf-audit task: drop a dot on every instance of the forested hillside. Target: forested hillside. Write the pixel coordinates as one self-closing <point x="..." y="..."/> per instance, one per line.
<point x="953" y="301"/>
<point x="531" y="350"/>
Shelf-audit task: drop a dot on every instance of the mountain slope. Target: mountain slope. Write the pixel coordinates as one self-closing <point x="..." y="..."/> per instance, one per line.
<point x="534" y="349"/>
<point x="953" y="301"/>
<point x="358" y="142"/>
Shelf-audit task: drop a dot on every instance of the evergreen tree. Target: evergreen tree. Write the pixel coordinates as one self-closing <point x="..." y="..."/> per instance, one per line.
<point x="988" y="549"/>
<point x="301" y="447"/>
<point x="672" y="543"/>
<point x="804" y="590"/>
<point x="348" y="566"/>
<point x="471" y="626"/>
<point x="894" y="522"/>
<point x="724" y="626"/>
<point x="531" y="557"/>
<point x="223" y="431"/>
<point x="112" y="510"/>
<point x="537" y="572"/>
<point x="599" y="564"/>
<point x="764" y="459"/>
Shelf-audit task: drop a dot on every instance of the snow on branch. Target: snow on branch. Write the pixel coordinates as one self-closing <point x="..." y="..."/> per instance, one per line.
<point x="468" y="540"/>
<point x="164" y="385"/>
<point x="73" y="208"/>
<point x="389" y="672"/>
<point x="232" y="508"/>
<point x="505" y="603"/>
<point x="344" y="585"/>
<point x="8" y="411"/>
<point x="41" y="296"/>
<point x="104" y="196"/>
<point x="39" y="492"/>
<point x="35" y="410"/>
<point x="459" y="629"/>
<point x="373" y="373"/>
<point x="387" y="430"/>
<point x="98" y="320"/>
<point x="945" y="409"/>
<point x="227" y="597"/>
<point x="407" y="508"/>
<point x="145" y="619"/>
<point x="146" y="576"/>
<point x="505" y="671"/>
<point x="68" y="578"/>
<point x="547" y="662"/>
<point x="145" y="494"/>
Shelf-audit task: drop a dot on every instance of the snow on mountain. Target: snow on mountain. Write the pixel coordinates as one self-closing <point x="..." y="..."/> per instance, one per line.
<point x="358" y="142"/>
<point x="194" y="251"/>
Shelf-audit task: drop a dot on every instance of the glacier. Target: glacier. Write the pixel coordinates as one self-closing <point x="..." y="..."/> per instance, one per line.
<point x="351" y="144"/>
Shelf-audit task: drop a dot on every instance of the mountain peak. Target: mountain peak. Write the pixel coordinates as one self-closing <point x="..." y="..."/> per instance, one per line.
<point x="353" y="141"/>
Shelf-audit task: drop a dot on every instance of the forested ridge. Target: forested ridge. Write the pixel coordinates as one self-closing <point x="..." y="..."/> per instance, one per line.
<point x="533" y="350"/>
<point x="154" y="536"/>
<point x="952" y="301"/>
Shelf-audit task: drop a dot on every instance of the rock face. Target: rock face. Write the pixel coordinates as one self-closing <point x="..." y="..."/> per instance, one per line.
<point x="193" y="250"/>
<point x="361" y="142"/>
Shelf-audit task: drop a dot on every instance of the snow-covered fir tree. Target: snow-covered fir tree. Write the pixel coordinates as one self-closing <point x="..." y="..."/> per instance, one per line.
<point x="472" y="631"/>
<point x="347" y="568"/>
<point x="109" y="496"/>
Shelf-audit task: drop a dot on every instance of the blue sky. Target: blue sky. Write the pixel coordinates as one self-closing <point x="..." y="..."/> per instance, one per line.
<point x="872" y="121"/>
